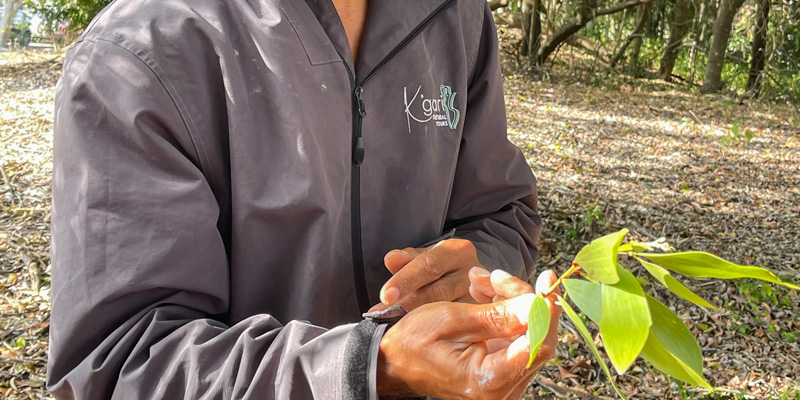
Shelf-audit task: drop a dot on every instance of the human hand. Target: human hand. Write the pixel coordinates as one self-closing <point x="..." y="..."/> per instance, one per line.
<point x="427" y="275"/>
<point x="485" y="287"/>
<point x="441" y="350"/>
<point x="498" y="286"/>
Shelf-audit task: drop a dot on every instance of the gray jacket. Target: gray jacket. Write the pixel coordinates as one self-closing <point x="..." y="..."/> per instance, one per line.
<point x="226" y="183"/>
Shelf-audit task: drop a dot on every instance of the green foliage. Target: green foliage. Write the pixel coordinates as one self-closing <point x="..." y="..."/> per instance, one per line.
<point x="594" y="214"/>
<point x="600" y="264"/>
<point x="626" y="320"/>
<point x="584" y="332"/>
<point x="77" y="12"/>
<point x="538" y="325"/>
<point x="735" y="135"/>
<point x="634" y="324"/>
<point x="671" y="348"/>
<point x="703" y="265"/>
<point x="663" y="276"/>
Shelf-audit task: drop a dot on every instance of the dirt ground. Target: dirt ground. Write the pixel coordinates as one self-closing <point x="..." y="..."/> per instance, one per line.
<point x="608" y="153"/>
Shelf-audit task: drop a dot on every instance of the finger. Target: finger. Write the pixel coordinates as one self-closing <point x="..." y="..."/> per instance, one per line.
<point x="467" y="298"/>
<point x="543" y="283"/>
<point x="545" y="280"/>
<point x="397" y="259"/>
<point x="423" y="270"/>
<point x="496" y="320"/>
<point x="480" y="280"/>
<point x="378" y="307"/>
<point x="495" y="345"/>
<point x="507" y="286"/>
<point x="478" y="296"/>
<point x="510" y="361"/>
<point x="448" y="288"/>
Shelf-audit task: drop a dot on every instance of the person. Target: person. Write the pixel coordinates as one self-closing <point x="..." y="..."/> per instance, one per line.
<point x="233" y="188"/>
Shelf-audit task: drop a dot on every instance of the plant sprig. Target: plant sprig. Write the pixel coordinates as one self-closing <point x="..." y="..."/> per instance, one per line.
<point x="632" y="323"/>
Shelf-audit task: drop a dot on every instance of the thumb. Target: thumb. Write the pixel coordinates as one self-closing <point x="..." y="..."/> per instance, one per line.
<point x="499" y="320"/>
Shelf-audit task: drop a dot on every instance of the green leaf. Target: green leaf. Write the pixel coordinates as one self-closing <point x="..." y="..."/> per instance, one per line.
<point x="672" y="284"/>
<point x="625" y="321"/>
<point x="656" y="354"/>
<point x="576" y="320"/>
<point x="599" y="258"/>
<point x="735" y="128"/>
<point x="703" y="265"/>
<point x="674" y="336"/>
<point x="538" y="325"/>
<point x="587" y="296"/>
<point x="633" y="246"/>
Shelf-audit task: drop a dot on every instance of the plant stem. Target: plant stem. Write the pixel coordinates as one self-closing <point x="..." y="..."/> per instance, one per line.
<point x="571" y="271"/>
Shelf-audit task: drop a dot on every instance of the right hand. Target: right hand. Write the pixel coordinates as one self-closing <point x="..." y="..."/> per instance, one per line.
<point x="441" y="350"/>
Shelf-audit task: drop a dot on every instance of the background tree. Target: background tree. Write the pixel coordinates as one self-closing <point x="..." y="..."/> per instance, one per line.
<point x="586" y="13"/>
<point x="10" y="8"/>
<point x="636" y="38"/>
<point x="679" y="27"/>
<point x="712" y="80"/>
<point x="758" y="54"/>
<point x="78" y="13"/>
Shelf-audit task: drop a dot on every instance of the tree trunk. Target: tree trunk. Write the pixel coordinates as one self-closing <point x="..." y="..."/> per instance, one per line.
<point x="712" y="81"/>
<point x="534" y="39"/>
<point x="10" y="8"/>
<point x="585" y="15"/>
<point x="642" y="18"/>
<point x="759" y="48"/>
<point x="527" y="5"/>
<point x="677" y="31"/>
<point x="531" y="29"/>
<point x="636" y="37"/>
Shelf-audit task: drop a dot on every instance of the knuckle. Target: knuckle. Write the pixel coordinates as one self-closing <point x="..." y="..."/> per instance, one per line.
<point x="496" y="318"/>
<point x="446" y="316"/>
<point x="442" y="291"/>
<point x="410" y="250"/>
<point x="432" y="265"/>
<point x="461" y="245"/>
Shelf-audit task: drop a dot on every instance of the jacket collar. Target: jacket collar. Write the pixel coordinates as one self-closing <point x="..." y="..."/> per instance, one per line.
<point x="388" y="23"/>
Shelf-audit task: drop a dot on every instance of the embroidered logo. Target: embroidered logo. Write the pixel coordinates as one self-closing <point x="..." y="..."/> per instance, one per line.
<point x="442" y="110"/>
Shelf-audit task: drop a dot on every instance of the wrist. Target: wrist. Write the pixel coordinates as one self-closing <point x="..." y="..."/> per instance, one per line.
<point x="388" y="383"/>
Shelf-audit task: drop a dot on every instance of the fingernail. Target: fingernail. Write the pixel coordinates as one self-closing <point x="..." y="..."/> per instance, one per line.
<point x="544" y="281"/>
<point x="478" y="271"/>
<point x="389" y="296"/>
<point x="500" y="274"/>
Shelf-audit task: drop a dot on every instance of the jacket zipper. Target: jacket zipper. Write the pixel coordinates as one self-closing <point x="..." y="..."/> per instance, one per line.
<point x="358" y="153"/>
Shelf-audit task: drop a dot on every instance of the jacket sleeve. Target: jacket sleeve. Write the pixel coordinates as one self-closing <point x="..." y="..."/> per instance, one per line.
<point x="493" y="200"/>
<point x="140" y="273"/>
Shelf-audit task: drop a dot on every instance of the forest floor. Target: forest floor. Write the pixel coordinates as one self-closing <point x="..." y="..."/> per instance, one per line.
<point x="608" y="153"/>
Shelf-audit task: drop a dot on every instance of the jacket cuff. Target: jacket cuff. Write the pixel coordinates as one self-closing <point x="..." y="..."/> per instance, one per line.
<point x="372" y="373"/>
<point x="357" y="362"/>
<point x="359" y="380"/>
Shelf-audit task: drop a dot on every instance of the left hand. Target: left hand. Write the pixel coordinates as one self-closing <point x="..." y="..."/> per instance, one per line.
<point x="427" y="275"/>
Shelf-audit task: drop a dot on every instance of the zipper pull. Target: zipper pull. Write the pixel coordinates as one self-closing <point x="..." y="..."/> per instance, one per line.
<point x="362" y="110"/>
<point x="358" y="151"/>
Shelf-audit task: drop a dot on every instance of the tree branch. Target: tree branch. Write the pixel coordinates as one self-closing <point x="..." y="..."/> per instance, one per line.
<point x="584" y="18"/>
